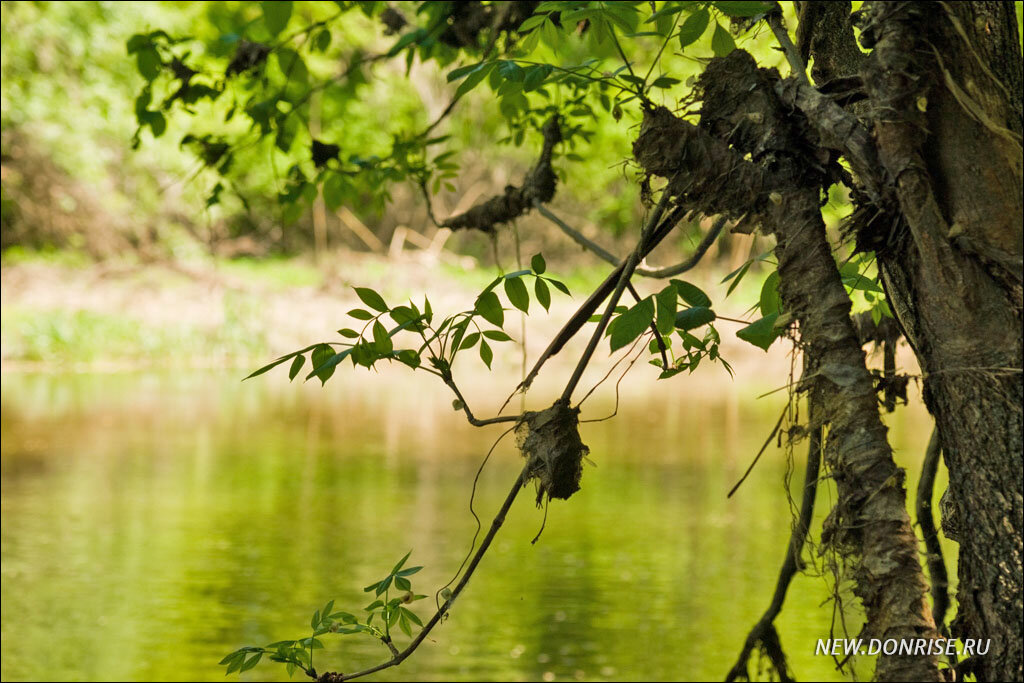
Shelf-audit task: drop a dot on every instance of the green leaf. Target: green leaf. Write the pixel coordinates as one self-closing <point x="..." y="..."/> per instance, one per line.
<point x="402" y="583"/>
<point x="315" y="621"/>
<point x="486" y="355"/>
<point x="156" y="122"/>
<point x="296" y="366"/>
<point x="456" y="74"/>
<point x="271" y="366"/>
<point x="400" y="563"/>
<point x="473" y="79"/>
<point x="532" y="22"/>
<point x="721" y="41"/>
<point x="276" y="15"/>
<point x="335" y="190"/>
<point x="149" y="62"/>
<point x="138" y="42"/>
<point x="371" y="299"/>
<point x="543" y="294"/>
<point x="538" y="264"/>
<point x="667" y="301"/>
<point x="409" y="571"/>
<point x="489" y="308"/>
<point x="664" y="82"/>
<point x="559" y="286"/>
<point x="410" y="358"/>
<point x="321" y="354"/>
<point x="694" y="27"/>
<point x="361" y="314"/>
<point x="761" y="333"/>
<point x="692" y="294"/>
<point x="536" y="75"/>
<point x="742" y="9"/>
<point x="469" y="341"/>
<point x="322" y="40"/>
<point x="692" y="318"/>
<point x="403" y="623"/>
<point x="632" y="323"/>
<point x="381" y="339"/>
<point x="736" y="276"/>
<point x="668" y="10"/>
<point x="497" y="335"/>
<point x="517" y="294"/>
<point x="770" y="294"/>
<point x="291" y="64"/>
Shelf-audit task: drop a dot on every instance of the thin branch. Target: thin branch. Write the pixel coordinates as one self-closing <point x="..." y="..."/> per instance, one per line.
<point x="668" y="271"/>
<point x="447" y="379"/>
<point x="583" y="313"/>
<point x="626" y="272"/>
<point x="750" y="468"/>
<point x="662" y="346"/>
<point x="796" y="62"/>
<point x="764" y="632"/>
<point x="499" y="520"/>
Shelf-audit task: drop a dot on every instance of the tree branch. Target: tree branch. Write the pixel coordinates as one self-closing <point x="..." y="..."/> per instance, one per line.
<point x="796" y="62"/>
<point x="582" y="315"/>
<point x="668" y="271"/>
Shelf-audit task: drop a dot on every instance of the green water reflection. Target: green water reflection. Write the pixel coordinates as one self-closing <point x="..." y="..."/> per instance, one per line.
<point x="151" y="523"/>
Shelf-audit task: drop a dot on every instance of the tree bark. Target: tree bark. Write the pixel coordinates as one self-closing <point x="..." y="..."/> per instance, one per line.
<point x="750" y="154"/>
<point x="944" y="87"/>
<point x="954" y="280"/>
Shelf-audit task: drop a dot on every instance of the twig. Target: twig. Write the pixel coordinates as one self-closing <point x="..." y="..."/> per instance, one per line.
<point x="499" y="520"/>
<point x="447" y="379"/>
<point x="662" y="346"/>
<point x="796" y="62"/>
<point x="583" y="313"/>
<point x="626" y="272"/>
<point x="764" y="631"/>
<point x="757" y="457"/>
<point x="668" y="271"/>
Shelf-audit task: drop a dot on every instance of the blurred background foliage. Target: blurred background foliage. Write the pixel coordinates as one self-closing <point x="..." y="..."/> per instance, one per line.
<point x="135" y="135"/>
<point x="71" y="179"/>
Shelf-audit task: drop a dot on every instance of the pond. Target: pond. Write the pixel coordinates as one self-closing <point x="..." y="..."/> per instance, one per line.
<point x="153" y="522"/>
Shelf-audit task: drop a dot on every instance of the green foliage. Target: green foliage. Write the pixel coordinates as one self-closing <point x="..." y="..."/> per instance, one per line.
<point x="660" y="315"/>
<point x="381" y="615"/>
<point x="438" y="344"/>
<point x="261" y="80"/>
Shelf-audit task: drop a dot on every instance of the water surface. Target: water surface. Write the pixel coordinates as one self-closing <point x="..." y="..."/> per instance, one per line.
<point x="154" y="522"/>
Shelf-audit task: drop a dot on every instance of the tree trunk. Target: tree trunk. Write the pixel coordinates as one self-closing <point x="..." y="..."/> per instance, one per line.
<point x="944" y="94"/>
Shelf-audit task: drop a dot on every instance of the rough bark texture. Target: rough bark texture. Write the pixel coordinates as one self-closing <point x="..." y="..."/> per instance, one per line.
<point x="869" y="526"/>
<point x="945" y="92"/>
<point x="944" y="102"/>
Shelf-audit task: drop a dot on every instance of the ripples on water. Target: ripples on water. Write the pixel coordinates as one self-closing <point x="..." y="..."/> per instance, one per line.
<point x="154" y="522"/>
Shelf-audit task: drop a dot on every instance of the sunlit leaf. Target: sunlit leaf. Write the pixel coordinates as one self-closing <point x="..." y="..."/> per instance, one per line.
<point x="722" y="42"/>
<point x="517" y="294"/>
<point x="694" y="317"/>
<point x="761" y="333"/>
<point x="632" y="323"/>
<point x="693" y="27"/>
